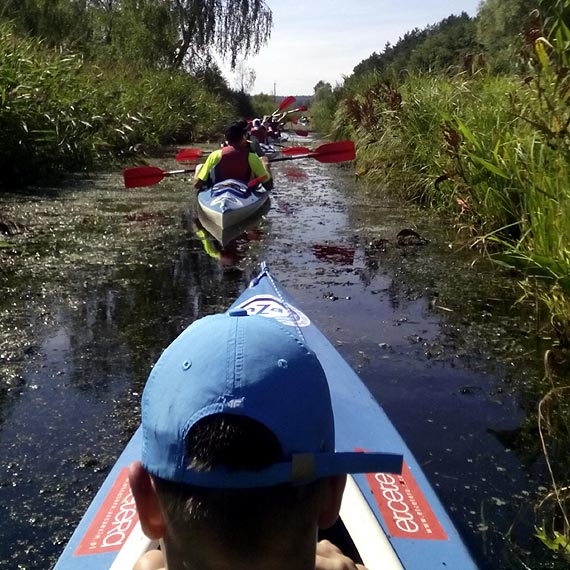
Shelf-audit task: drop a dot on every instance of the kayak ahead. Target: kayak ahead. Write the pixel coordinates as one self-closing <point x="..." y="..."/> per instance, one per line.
<point x="230" y="202"/>
<point x="395" y="522"/>
<point x="270" y="151"/>
<point x="225" y="236"/>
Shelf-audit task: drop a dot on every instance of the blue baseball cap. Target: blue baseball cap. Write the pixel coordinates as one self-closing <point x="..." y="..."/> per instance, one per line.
<point x="251" y="366"/>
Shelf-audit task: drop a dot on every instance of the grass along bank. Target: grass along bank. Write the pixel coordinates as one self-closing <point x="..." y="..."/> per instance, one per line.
<point x="483" y="149"/>
<point x="59" y="113"/>
<point x="493" y="153"/>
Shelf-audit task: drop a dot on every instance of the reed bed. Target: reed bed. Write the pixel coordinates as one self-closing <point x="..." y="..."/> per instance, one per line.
<point x="58" y="113"/>
<point x="492" y="152"/>
<point x="465" y="145"/>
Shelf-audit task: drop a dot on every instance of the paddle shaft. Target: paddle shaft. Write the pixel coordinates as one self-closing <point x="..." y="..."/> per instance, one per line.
<point x="150" y="175"/>
<point x="298" y="109"/>
<point x="181" y="171"/>
<point x="293" y="157"/>
<point x="340" y="151"/>
<point x="330" y="152"/>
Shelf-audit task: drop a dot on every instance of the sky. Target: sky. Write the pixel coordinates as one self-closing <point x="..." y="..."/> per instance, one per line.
<point x="315" y="40"/>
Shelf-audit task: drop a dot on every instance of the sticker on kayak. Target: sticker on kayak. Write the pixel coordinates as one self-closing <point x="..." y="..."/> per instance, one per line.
<point x="114" y="521"/>
<point x="225" y="200"/>
<point x="404" y="508"/>
<point x="274" y="308"/>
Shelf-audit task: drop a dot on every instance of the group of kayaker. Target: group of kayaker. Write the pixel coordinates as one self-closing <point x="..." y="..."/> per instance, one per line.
<point x="235" y="471"/>
<point x="237" y="160"/>
<point x="242" y="156"/>
<point x="269" y="129"/>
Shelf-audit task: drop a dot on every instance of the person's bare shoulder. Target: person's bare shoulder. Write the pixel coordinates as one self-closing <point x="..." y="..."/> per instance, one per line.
<point x="330" y="557"/>
<point x="151" y="560"/>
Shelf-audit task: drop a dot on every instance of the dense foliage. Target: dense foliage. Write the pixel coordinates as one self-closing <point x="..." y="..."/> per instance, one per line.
<point x="59" y="113"/>
<point x="158" y="33"/>
<point x="480" y="128"/>
<point x="445" y="46"/>
<point x="82" y="81"/>
<point x="263" y="105"/>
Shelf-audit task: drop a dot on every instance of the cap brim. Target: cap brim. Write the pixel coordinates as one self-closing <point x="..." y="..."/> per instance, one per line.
<point x="302" y="469"/>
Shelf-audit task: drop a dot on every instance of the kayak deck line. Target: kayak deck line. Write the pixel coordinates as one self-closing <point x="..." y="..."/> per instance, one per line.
<point x="371" y="543"/>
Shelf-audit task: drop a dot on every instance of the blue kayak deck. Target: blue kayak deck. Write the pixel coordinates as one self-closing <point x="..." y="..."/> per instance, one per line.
<point x="405" y="506"/>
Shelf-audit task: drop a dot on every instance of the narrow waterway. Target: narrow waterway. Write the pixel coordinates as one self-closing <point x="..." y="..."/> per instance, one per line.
<point x="100" y="279"/>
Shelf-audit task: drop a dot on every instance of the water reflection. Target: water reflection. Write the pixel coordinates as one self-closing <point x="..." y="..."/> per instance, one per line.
<point x="79" y="398"/>
<point x="334" y="253"/>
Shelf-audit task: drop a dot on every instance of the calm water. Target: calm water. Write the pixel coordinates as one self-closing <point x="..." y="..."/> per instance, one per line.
<point x="105" y="278"/>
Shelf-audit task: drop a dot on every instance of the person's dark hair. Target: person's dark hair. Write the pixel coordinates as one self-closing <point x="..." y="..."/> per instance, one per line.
<point x="232" y="442"/>
<point x="246" y="519"/>
<point x="234" y="133"/>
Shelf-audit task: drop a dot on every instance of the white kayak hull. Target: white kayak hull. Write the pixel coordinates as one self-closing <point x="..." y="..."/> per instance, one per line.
<point x="224" y="236"/>
<point x="230" y="202"/>
<point x="270" y="151"/>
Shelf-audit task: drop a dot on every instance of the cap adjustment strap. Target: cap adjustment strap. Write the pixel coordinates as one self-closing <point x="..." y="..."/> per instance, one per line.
<point x="303" y="468"/>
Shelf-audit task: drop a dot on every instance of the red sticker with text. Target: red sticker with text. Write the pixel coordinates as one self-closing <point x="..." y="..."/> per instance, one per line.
<point x="404" y="508"/>
<point x="114" y="521"/>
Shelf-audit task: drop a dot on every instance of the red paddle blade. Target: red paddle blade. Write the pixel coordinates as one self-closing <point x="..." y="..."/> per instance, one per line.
<point x="298" y="109"/>
<point x="330" y="152"/>
<point x="142" y="176"/>
<point x="291" y="151"/>
<point x="301" y="133"/>
<point x="287" y="102"/>
<point x="188" y="154"/>
<point x="256" y="181"/>
<point x="340" y="151"/>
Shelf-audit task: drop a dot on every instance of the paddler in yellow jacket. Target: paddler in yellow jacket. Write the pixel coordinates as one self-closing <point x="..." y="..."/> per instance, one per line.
<point x="236" y="161"/>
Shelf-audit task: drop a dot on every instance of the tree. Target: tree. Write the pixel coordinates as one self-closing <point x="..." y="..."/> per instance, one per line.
<point x="440" y="47"/>
<point x="135" y="31"/>
<point x="446" y="45"/>
<point x="500" y="24"/>
<point x="232" y="28"/>
<point x="323" y="105"/>
<point x="245" y="77"/>
<point x="162" y="33"/>
<point x="61" y="23"/>
<point x="322" y="89"/>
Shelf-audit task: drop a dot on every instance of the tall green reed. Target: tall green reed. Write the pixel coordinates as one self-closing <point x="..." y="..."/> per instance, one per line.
<point x="465" y="145"/>
<point x="495" y="153"/>
<point x="58" y="113"/>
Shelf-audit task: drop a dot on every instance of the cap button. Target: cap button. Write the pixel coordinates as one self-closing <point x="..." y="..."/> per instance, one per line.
<point x="238" y="313"/>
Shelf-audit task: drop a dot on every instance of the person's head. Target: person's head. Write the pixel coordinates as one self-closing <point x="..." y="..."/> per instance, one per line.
<point x="257" y="122"/>
<point x="235" y="134"/>
<point x="238" y="460"/>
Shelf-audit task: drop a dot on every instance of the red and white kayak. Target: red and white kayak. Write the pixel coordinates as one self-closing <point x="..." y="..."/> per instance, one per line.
<point x="395" y="522"/>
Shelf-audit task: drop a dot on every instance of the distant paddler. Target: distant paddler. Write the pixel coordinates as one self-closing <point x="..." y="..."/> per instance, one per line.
<point x="259" y="131"/>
